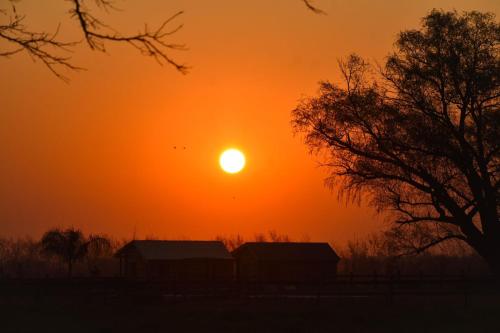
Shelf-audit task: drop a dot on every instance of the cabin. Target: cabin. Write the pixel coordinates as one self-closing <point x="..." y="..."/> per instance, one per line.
<point x="174" y="260"/>
<point x="285" y="262"/>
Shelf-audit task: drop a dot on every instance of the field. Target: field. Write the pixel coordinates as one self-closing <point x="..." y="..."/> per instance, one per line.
<point x="111" y="306"/>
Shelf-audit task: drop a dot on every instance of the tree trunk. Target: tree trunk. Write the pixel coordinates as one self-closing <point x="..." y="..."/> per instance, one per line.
<point x="70" y="269"/>
<point x="487" y="243"/>
<point x="490" y="251"/>
<point x="493" y="260"/>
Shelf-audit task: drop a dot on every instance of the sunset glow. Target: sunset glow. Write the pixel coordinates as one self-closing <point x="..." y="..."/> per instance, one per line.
<point x="98" y="153"/>
<point x="232" y="160"/>
<point x="286" y="165"/>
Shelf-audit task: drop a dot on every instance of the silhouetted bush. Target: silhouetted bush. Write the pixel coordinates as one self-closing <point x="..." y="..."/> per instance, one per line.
<point x="382" y="253"/>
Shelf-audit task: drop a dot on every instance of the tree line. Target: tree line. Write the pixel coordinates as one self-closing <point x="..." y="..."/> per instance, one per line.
<point x="56" y="253"/>
<point x="69" y="252"/>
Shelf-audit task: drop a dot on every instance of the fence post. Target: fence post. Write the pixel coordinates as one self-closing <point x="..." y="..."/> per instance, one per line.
<point x="318" y="291"/>
<point x="391" y="291"/>
<point x="465" y="288"/>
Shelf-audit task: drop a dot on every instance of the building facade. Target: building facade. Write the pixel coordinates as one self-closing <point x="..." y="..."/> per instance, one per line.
<point x="176" y="260"/>
<point x="285" y="262"/>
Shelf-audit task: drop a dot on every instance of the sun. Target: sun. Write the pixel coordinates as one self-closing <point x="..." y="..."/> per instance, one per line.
<point x="232" y="160"/>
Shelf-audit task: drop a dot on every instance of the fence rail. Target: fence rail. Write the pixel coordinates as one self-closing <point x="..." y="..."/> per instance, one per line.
<point x="344" y="283"/>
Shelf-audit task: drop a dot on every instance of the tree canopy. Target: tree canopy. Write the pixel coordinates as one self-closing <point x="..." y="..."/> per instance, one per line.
<point x="70" y="246"/>
<point x="419" y="136"/>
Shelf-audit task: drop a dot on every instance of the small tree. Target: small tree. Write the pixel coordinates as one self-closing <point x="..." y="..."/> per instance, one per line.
<point x="422" y="138"/>
<point x="231" y="242"/>
<point x="99" y="246"/>
<point x="71" y="246"/>
<point x="275" y="237"/>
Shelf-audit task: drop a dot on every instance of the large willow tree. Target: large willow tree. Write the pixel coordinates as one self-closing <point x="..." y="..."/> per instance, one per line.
<point x="420" y="135"/>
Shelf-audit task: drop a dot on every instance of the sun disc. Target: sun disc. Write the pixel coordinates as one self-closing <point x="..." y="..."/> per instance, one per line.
<point x="232" y="160"/>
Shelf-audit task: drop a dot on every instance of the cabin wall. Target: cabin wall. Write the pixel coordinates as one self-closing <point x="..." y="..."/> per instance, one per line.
<point x="253" y="269"/>
<point x="133" y="266"/>
<point x="246" y="267"/>
<point x="182" y="270"/>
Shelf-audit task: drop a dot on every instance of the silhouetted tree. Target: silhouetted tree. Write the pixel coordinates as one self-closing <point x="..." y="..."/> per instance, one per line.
<point x="231" y="242"/>
<point x="260" y="237"/>
<point x="234" y="241"/>
<point x="19" y="257"/>
<point x="70" y="245"/>
<point x="421" y="136"/>
<point x="99" y="246"/>
<point x="275" y="237"/>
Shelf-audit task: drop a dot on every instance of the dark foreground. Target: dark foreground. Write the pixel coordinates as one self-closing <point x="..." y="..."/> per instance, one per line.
<point x="77" y="307"/>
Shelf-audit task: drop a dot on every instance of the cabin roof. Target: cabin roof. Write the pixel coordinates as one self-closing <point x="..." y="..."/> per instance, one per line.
<point x="176" y="249"/>
<point x="288" y="251"/>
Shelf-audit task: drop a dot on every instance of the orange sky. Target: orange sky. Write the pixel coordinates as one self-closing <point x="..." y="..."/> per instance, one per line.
<point x="97" y="153"/>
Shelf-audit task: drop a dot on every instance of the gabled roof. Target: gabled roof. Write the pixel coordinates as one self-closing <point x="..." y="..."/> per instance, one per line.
<point x="176" y="250"/>
<point x="288" y="251"/>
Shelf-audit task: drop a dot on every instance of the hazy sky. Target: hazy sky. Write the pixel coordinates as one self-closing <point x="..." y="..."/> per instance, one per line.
<point x="97" y="153"/>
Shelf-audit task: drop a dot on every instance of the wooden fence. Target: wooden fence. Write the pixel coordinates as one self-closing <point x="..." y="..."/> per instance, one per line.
<point x="386" y="287"/>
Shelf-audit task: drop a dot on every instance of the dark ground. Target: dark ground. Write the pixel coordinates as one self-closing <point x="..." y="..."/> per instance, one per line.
<point x="38" y="308"/>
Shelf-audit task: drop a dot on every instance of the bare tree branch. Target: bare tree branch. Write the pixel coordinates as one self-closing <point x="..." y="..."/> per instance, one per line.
<point x="148" y="42"/>
<point x="434" y="242"/>
<point x="314" y="9"/>
<point x="40" y="46"/>
<point x="47" y="48"/>
<point x="53" y="53"/>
